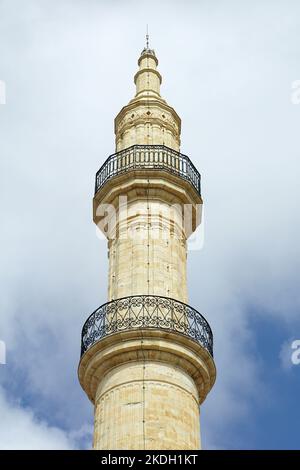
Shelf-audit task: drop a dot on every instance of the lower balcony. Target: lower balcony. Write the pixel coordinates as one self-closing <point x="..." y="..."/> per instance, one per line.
<point x="143" y="312"/>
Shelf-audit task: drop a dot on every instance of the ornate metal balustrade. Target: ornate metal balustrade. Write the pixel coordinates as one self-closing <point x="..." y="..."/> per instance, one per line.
<point x="152" y="157"/>
<point x="144" y="312"/>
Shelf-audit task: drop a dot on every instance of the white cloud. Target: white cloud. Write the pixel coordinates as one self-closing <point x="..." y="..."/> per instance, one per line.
<point x="23" y="431"/>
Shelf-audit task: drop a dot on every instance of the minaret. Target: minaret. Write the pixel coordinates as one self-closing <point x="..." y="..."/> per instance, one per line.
<point x="146" y="355"/>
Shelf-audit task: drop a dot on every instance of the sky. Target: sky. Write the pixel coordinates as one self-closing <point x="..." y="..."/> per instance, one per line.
<point x="230" y="69"/>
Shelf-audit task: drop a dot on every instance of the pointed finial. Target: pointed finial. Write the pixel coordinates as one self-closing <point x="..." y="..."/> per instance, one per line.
<point x="147" y="50"/>
<point x="147" y="37"/>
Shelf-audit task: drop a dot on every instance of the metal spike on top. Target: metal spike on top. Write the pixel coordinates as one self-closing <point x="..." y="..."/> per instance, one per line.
<point x="146" y="49"/>
<point x="147" y="37"/>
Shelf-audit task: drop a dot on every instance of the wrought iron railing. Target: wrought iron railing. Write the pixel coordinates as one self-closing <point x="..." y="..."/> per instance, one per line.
<point x="152" y="157"/>
<point x="144" y="312"/>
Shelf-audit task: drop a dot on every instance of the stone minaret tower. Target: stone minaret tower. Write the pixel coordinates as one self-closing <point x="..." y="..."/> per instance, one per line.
<point x="146" y="355"/>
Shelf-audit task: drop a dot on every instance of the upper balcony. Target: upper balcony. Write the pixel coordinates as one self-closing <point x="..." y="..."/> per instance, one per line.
<point x="152" y="157"/>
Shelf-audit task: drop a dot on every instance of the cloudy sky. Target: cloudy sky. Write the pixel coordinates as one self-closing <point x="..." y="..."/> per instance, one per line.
<point x="228" y="68"/>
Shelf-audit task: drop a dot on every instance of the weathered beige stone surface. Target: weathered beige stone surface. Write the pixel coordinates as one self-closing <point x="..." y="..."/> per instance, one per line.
<point x="146" y="386"/>
<point x="147" y="246"/>
<point x="156" y="403"/>
<point x="149" y="255"/>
